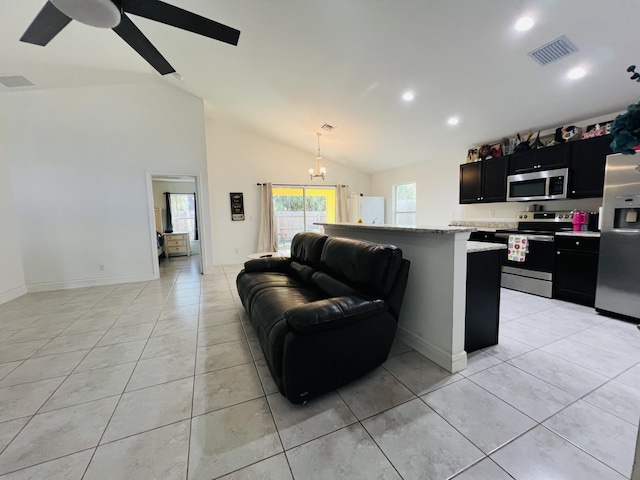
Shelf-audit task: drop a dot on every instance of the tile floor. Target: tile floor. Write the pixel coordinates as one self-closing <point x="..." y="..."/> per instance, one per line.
<point x="166" y="380"/>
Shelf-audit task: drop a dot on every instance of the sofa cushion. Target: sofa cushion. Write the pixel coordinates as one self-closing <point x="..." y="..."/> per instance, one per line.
<point x="368" y="267"/>
<point x="306" y="248"/>
<point x="301" y="271"/>
<point x="330" y="313"/>
<point x="331" y="286"/>
<point x="267" y="315"/>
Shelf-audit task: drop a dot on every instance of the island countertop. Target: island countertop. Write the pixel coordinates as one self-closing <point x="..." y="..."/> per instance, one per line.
<point x="432" y="229"/>
<point x="475" y="247"/>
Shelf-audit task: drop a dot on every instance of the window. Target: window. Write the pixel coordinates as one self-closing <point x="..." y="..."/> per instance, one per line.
<point x="183" y="213"/>
<point x="298" y="208"/>
<point x="404" y="201"/>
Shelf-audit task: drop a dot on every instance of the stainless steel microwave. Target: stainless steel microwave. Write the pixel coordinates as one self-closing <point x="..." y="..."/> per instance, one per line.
<point x="541" y="185"/>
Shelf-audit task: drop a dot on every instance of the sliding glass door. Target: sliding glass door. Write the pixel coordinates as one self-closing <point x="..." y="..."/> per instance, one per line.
<point x="298" y="208"/>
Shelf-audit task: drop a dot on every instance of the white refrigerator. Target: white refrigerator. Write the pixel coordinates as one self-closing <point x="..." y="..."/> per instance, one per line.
<point x="369" y="209"/>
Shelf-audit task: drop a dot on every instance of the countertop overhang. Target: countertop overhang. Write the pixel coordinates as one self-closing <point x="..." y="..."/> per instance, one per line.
<point x="431" y="229"/>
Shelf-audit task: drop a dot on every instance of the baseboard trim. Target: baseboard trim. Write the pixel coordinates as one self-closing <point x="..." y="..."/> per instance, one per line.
<point x="450" y="362"/>
<point x="89" y="282"/>
<point x="12" y="294"/>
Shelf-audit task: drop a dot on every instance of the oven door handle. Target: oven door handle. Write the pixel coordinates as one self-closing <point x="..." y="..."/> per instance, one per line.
<point x="535" y="238"/>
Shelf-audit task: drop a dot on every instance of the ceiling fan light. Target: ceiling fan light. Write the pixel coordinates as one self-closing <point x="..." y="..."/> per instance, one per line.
<point x="97" y="13"/>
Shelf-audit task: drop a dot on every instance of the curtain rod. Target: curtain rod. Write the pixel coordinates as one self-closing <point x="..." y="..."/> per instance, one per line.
<point x="164" y="193"/>
<point x="299" y="185"/>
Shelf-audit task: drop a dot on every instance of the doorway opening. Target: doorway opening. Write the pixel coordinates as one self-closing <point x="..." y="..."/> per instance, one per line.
<point x="175" y="219"/>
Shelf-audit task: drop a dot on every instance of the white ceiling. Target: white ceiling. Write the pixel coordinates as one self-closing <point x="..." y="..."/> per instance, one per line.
<point x="301" y="63"/>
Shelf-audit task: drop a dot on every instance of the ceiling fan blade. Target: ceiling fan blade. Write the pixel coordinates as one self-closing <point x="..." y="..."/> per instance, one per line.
<point x="45" y="26"/>
<point x="177" y="17"/>
<point x="141" y="44"/>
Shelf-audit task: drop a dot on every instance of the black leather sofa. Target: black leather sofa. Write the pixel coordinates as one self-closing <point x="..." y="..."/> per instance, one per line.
<point x="327" y="314"/>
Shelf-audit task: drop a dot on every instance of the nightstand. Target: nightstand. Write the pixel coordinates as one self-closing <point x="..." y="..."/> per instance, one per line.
<point x="177" y="244"/>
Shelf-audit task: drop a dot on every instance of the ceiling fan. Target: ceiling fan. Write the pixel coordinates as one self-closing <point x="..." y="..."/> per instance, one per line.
<point x="56" y="14"/>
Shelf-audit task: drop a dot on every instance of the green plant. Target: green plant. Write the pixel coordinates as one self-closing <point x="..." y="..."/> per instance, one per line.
<point x="626" y="127"/>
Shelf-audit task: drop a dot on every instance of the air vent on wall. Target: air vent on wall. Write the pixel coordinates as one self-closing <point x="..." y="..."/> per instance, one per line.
<point x="13" y="81"/>
<point x="327" y="128"/>
<point x="552" y="51"/>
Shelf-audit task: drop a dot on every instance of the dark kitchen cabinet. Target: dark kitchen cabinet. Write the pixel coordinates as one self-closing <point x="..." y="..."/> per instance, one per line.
<point x="575" y="268"/>
<point x="547" y="158"/>
<point x="482" y="312"/>
<point x="587" y="165"/>
<point x="484" y="181"/>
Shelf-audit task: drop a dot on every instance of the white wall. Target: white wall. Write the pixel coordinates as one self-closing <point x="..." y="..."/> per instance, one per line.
<point x="79" y="160"/>
<point x="437" y="185"/>
<point x="436" y="189"/>
<point x="237" y="161"/>
<point x="12" y="283"/>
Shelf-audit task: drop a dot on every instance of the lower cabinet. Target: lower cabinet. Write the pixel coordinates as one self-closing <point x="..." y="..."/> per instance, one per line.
<point x="575" y="269"/>
<point x="177" y="244"/>
<point x="482" y="314"/>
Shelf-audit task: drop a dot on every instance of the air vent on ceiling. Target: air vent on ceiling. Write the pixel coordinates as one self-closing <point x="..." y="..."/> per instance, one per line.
<point x="327" y="128"/>
<point x="552" y="51"/>
<point x="13" y="81"/>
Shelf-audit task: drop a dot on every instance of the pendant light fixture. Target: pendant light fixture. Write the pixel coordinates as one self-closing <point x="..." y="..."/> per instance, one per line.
<point x="319" y="171"/>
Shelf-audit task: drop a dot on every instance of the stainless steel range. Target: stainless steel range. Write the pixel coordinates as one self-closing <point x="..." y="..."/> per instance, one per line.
<point x="534" y="273"/>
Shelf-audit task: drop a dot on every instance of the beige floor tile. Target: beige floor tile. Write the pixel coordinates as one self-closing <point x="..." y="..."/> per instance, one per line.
<point x="126" y="334"/>
<point x="419" y="443"/>
<point x="298" y="424"/>
<point x="41" y="368"/>
<point x="150" y="408"/>
<point x="166" y="368"/>
<point x="118" y="354"/>
<point x="54" y="434"/>
<point x="222" y="388"/>
<point x="91" y="385"/>
<point x="70" y="467"/>
<point x="275" y="467"/>
<point x="157" y="454"/>
<point x="232" y="438"/>
<point x="8" y="430"/>
<point x="347" y="453"/>
<point x="24" y="400"/>
<point x="220" y="334"/>
<point x="182" y="342"/>
<point x="223" y="355"/>
<point x="70" y="343"/>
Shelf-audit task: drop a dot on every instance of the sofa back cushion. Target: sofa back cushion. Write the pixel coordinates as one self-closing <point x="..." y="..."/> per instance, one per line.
<point x="306" y="248"/>
<point x="368" y="267"/>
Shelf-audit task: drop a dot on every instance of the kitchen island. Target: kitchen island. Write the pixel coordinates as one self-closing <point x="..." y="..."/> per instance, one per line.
<point x="432" y="319"/>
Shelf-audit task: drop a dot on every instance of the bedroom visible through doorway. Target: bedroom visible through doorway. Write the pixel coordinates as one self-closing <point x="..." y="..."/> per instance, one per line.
<point x="175" y="212"/>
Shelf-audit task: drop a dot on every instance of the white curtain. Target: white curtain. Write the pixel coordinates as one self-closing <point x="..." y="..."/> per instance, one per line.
<point x="267" y="238"/>
<point x="342" y="209"/>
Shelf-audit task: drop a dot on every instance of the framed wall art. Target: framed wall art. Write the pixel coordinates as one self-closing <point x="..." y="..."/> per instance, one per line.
<point x="237" y="206"/>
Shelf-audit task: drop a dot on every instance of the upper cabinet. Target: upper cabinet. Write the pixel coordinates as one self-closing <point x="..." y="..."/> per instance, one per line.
<point x="543" y="159"/>
<point x="588" y="159"/>
<point x="484" y="181"/>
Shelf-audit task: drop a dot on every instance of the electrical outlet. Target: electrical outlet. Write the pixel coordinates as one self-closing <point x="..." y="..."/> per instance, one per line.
<point x="101" y="267"/>
<point x="492" y="213"/>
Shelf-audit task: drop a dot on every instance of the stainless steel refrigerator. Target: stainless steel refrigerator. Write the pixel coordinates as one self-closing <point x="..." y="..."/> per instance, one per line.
<point x="618" y="289"/>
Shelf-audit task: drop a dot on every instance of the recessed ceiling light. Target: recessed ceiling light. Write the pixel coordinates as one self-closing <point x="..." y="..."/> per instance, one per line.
<point x="524" y="23"/>
<point x="453" y="121"/>
<point x="576" y="73"/>
<point x="408" y="96"/>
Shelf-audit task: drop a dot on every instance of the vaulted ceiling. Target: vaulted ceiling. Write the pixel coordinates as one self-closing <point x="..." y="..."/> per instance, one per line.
<point x="301" y="63"/>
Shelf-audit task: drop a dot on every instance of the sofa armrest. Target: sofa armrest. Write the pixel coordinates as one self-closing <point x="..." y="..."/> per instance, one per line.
<point x="268" y="264"/>
<point x="332" y="313"/>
